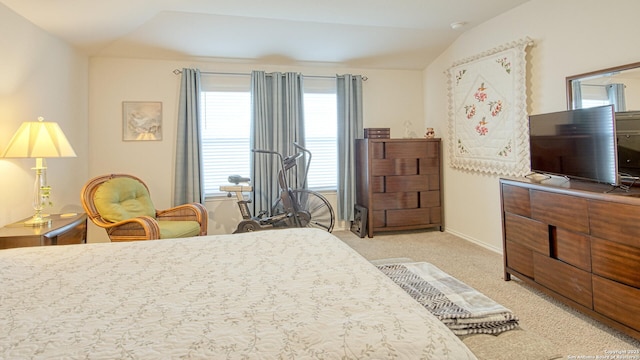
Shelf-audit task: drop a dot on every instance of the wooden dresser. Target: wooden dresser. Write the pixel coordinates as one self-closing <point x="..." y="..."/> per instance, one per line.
<point x="399" y="182"/>
<point x="577" y="243"/>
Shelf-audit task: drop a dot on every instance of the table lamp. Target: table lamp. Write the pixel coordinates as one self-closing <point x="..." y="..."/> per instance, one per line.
<point x="39" y="140"/>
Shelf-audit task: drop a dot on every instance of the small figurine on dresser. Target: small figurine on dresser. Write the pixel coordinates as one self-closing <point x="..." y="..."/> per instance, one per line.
<point x="430" y="134"/>
<point x="408" y="133"/>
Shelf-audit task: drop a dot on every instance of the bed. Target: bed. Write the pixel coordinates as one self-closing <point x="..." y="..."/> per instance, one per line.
<point x="292" y="293"/>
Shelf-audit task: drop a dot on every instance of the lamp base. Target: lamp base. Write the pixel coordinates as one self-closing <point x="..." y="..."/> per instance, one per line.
<point x="37" y="222"/>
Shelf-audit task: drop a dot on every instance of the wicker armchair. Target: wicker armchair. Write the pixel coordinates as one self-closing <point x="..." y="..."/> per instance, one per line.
<point x="121" y="204"/>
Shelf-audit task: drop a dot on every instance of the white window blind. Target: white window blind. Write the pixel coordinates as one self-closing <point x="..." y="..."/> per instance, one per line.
<point x="594" y="95"/>
<point x="226" y="111"/>
<point x="320" y="138"/>
<point x="225" y="137"/>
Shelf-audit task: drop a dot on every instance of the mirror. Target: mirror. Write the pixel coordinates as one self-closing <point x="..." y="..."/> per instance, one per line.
<point x="618" y="85"/>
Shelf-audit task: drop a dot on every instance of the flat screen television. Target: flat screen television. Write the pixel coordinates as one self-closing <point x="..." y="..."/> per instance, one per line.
<point x="578" y="144"/>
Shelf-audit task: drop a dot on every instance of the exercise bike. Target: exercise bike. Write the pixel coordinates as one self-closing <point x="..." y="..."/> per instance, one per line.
<point x="294" y="208"/>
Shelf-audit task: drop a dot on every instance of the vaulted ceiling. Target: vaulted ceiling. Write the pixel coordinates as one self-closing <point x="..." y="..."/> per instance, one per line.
<point x="386" y="34"/>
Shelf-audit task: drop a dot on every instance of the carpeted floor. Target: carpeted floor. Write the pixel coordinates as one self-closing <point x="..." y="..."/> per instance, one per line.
<point x="574" y="334"/>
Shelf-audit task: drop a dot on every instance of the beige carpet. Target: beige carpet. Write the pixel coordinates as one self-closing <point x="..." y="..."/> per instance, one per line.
<point x="572" y="333"/>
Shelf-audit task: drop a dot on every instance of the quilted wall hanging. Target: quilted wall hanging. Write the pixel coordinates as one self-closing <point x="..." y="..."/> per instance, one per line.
<point x="488" y="127"/>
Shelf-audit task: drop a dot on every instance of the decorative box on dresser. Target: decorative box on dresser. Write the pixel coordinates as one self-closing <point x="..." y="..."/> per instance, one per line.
<point x="399" y="183"/>
<point x="578" y="242"/>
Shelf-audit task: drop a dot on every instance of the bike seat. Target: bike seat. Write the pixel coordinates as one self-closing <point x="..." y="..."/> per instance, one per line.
<point x="236" y="179"/>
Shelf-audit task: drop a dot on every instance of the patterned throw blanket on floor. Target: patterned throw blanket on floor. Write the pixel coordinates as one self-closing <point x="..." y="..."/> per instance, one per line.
<point x="463" y="309"/>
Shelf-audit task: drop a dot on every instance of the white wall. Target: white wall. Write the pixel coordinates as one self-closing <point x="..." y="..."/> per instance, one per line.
<point x="390" y="99"/>
<point x="40" y="76"/>
<point x="571" y="37"/>
<point x="631" y="93"/>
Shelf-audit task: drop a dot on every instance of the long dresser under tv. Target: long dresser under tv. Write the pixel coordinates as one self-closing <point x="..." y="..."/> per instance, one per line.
<point x="577" y="241"/>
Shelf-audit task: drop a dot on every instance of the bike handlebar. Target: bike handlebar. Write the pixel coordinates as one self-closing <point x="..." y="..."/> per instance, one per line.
<point x="288" y="162"/>
<point x="266" y="152"/>
<point x="288" y="158"/>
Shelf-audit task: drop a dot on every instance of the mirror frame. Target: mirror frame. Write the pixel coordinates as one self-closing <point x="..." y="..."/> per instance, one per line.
<point x="569" y="79"/>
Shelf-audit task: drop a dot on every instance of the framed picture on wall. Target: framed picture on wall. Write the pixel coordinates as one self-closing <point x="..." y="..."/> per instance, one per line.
<point x="141" y="120"/>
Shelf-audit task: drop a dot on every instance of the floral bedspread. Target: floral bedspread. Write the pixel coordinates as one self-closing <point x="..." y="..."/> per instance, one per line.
<point x="295" y="293"/>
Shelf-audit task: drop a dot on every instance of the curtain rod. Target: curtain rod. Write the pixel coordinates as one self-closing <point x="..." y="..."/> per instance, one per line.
<point x="595" y="85"/>
<point x="178" y="71"/>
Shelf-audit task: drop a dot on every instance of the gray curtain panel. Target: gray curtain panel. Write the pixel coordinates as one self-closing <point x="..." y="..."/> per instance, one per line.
<point x="350" y="127"/>
<point x="576" y="96"/>
<point x="277" y="122"/>
<point x="615" y="92"/>
<point x="189" y="179"/>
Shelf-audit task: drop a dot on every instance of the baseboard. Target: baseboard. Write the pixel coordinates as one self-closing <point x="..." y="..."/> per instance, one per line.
<point x="475" y="241"/>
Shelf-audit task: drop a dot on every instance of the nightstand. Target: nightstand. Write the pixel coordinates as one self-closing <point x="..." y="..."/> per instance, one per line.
<point x="64" y="229"/>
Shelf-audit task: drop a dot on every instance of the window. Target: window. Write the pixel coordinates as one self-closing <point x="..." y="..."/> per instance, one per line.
<point x="321" y="129"/>
<point x="594" y="95"/>
<point x="587" y="103"/>
<point x="225" y="137"/>
<point x="226" y="125"/>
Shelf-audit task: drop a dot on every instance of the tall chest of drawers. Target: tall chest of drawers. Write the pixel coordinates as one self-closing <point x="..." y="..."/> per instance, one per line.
<point x="399" y="182"/>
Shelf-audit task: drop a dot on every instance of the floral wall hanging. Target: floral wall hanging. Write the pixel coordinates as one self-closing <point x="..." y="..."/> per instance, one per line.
<point x="488" y="127"/>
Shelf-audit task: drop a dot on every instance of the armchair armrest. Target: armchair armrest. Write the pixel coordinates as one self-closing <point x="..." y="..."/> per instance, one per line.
<point x="190" y="212"/>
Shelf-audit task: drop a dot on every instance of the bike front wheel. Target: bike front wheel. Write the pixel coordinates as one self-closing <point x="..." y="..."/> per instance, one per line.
<point x="314" y="209"/>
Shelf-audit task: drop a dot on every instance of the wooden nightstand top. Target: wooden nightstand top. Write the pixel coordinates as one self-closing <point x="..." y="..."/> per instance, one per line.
<point x="67" y="229"/>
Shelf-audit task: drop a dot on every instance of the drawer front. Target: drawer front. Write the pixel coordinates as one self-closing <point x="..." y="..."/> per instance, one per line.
<point x="429" y="199"/>
<point x="377" y="149"/>
<point x="406" y="149"/>
<point x="519" y="258"/>
<point x="409" y="217"/>
<point x="526" y="232"/>
<point x="379" y="218"/>
<point x="565" y="211"/>
<point x="614" y="221"/>
<point x="385" y="201"/>
<point x="382" y="167"/>
<point x="377" y="184"/>
<point x="616" y="261"/>
<point x="617" y="301"/>
<point x="407" y="183"/>
<point x="429" y="165"/>
<point x="564" y="279"/>
<point x="377" y="136"/>
<point x="73" y="236"/>
<point x="373" y="132"/>
<point x="515" y="200"/>
<point x="573" y="248"/>
<point x="434" y="182"/>
<point x="433" y="149"/>
<point x="435" y="215"/>
<point x="22" y="241"/>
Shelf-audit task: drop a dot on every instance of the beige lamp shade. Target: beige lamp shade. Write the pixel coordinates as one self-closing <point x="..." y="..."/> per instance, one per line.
<point x="38" y="139"/>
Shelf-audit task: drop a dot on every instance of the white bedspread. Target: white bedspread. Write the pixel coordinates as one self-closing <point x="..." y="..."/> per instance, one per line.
<point x="296" y="294"/>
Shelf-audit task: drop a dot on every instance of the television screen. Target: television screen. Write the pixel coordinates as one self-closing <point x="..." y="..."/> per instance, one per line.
<point x="577" y="143"/>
